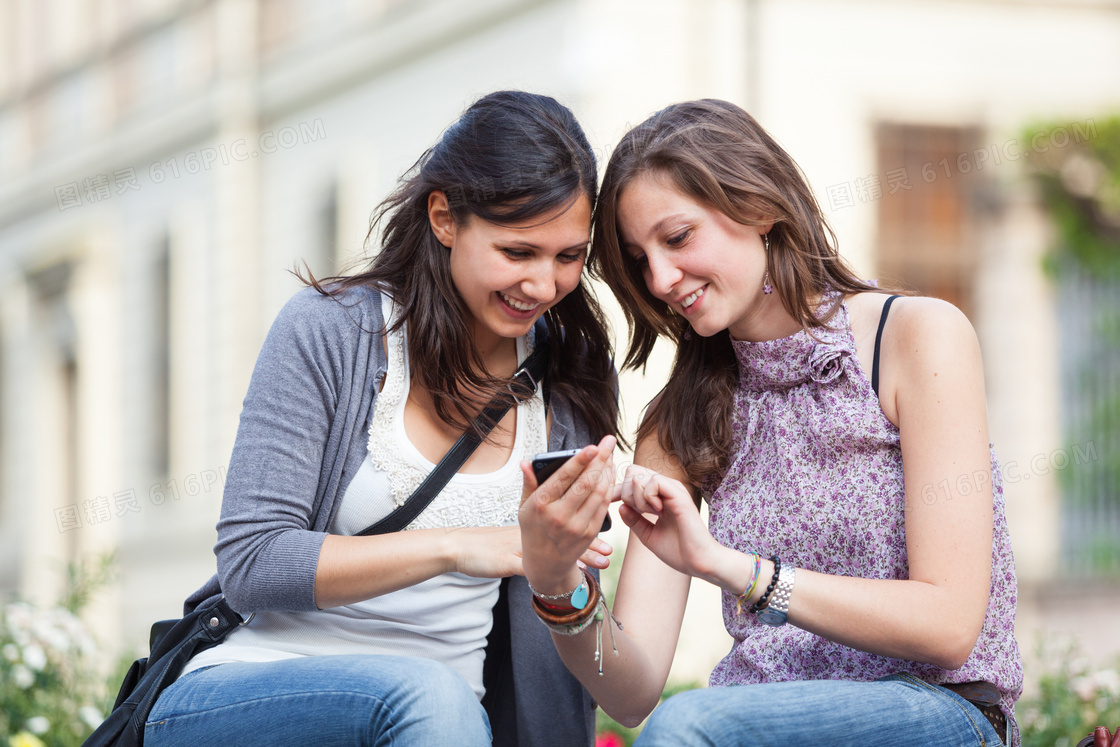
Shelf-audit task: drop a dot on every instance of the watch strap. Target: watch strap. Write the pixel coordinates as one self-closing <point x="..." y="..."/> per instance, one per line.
<point x="777" y="610"/>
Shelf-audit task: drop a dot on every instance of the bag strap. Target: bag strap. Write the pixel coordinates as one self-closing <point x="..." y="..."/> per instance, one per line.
<point x="532" y="371"/>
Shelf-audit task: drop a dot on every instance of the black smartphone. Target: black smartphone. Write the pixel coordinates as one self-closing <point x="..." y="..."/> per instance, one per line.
<point x="544" y="465"/>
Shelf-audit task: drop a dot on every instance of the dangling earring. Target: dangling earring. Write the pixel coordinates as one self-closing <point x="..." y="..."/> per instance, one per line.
<point x="766" y="287"/>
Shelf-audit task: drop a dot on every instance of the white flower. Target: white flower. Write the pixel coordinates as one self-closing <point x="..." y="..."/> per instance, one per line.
<point x="55" y="638"/>
<point x="1109" y="681"/>
<point x="35" y="658"/>
<point x="20" y="615"/>
<point x="22" y="676"/>
<point x="10" y="651"/>
<point x="91" y="716"/>
<point x="38" y="725"/>
<point x="1085" y="687"/>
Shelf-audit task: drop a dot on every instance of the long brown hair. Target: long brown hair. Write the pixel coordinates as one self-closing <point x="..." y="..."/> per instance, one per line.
<point x="510" y="158"/>
<point x="718" y="155"/>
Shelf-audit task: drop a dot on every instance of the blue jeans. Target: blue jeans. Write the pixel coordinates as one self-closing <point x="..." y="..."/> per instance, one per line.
<point x="321" y="700"/>
<point x="896" y="710"/>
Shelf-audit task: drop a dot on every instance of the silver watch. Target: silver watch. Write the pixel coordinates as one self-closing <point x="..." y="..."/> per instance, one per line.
<point x="777" y="610"/>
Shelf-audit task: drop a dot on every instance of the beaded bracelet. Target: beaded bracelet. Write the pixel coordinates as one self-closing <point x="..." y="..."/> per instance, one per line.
<point x="579" y="620"/>
<point x="577" y="596"/>
<point x="566" y="620"/>
<point x="765" y="598"/>
<point x="750" y="587"/>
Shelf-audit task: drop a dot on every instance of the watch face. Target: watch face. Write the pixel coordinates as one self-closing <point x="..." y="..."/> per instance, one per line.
<point x="770" y="616"/>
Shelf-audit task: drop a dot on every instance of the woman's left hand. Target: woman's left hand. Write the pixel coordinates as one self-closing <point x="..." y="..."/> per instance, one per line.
<point x="560" y="519"/>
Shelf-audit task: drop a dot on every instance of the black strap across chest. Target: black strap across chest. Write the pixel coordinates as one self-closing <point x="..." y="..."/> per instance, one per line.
<point x="878" y="340"/>
<point x="532" y="371"/>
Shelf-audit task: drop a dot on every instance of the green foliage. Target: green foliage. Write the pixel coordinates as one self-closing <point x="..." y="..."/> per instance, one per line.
<point x="50" y="691"/>
<point x="1077" y="170"/>
<point x="84" y="578"/>
<point x="1080" y="187"/>
<point x="1074" y="697"/>
<point x="48" y="681"/>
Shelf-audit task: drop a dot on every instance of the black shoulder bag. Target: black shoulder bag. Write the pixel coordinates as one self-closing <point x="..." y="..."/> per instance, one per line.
<point x="174" y="642"/>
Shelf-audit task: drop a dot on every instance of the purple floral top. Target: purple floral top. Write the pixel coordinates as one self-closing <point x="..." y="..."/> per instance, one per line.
<point x="816" y="478"/>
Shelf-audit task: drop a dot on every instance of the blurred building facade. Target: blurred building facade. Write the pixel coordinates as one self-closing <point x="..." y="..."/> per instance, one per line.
<point x="164" y="163"/>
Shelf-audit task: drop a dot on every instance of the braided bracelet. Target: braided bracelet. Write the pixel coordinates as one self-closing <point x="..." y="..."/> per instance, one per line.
<point x="765" y="598"/>
<point x="750" y="587"/>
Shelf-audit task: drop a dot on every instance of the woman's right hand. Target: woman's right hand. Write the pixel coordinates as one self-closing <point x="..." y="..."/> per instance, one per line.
<point x="560" y="519"/>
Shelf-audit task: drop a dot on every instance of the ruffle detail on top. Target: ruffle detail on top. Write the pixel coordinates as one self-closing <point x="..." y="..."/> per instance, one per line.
<point x="807" y="355"/>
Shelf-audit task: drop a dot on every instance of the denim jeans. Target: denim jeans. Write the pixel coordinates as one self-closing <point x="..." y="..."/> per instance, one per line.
<point x="320" y="700"/>
<point x="894" y="711"/>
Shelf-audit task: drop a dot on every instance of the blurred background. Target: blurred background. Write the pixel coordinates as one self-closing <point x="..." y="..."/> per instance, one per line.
<point x="164" y="163"/>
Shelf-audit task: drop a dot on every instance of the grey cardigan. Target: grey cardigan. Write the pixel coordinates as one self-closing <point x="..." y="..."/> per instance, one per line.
<point x="302" y="436"/>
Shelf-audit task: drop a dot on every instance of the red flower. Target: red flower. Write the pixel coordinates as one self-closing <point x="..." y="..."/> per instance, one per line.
<point x="609" y="739"/>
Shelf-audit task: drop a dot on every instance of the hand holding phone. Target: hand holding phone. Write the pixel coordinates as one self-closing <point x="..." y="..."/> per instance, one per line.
<point x="545" y="465"/>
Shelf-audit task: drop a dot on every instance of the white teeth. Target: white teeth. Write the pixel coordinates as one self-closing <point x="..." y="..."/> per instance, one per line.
<point x="519" y="305"/>
<point x="689" y="300"/>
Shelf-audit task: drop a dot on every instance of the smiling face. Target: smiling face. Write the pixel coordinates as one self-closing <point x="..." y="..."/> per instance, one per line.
<point x="707" y="267"/>
<point x="508" y="276"/>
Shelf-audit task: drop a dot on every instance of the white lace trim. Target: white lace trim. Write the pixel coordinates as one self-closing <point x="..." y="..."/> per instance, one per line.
<point x="461" y="503"/>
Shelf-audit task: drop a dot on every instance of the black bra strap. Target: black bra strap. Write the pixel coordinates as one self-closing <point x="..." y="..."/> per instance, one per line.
<point x="878" y="339"/>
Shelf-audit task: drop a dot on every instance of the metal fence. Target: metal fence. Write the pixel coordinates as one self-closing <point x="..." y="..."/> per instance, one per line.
<point x="1089" y="324"/>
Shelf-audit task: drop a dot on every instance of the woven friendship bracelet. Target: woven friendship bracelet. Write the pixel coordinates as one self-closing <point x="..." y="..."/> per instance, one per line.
<point x="765" y="598"/>
<point x="750" y="587"/>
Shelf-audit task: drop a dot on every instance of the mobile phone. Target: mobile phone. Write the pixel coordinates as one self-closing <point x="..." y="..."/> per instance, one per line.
<point x="544" y="465"/>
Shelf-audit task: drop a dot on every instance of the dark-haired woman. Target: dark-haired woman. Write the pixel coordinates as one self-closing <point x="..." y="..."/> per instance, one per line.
<point x="856" y="516"/>
<point x="363" y="384"/>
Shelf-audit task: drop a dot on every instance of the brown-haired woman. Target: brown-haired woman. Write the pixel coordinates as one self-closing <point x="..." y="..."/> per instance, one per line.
<point x="362" y="385"/>
<point x="856" y="511"/>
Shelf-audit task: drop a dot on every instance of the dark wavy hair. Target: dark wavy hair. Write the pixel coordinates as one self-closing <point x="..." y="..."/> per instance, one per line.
<point x="512" y="157"/>
<point x="718" y="155"/>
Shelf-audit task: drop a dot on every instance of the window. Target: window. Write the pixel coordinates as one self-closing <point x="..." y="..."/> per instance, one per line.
<point x="926" y="239"/>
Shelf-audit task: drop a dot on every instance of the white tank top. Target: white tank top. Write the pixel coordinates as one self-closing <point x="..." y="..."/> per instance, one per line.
<point x="446" y="618"/>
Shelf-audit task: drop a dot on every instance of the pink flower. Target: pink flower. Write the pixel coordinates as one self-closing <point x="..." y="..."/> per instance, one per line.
<point x="609" y="739"/>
